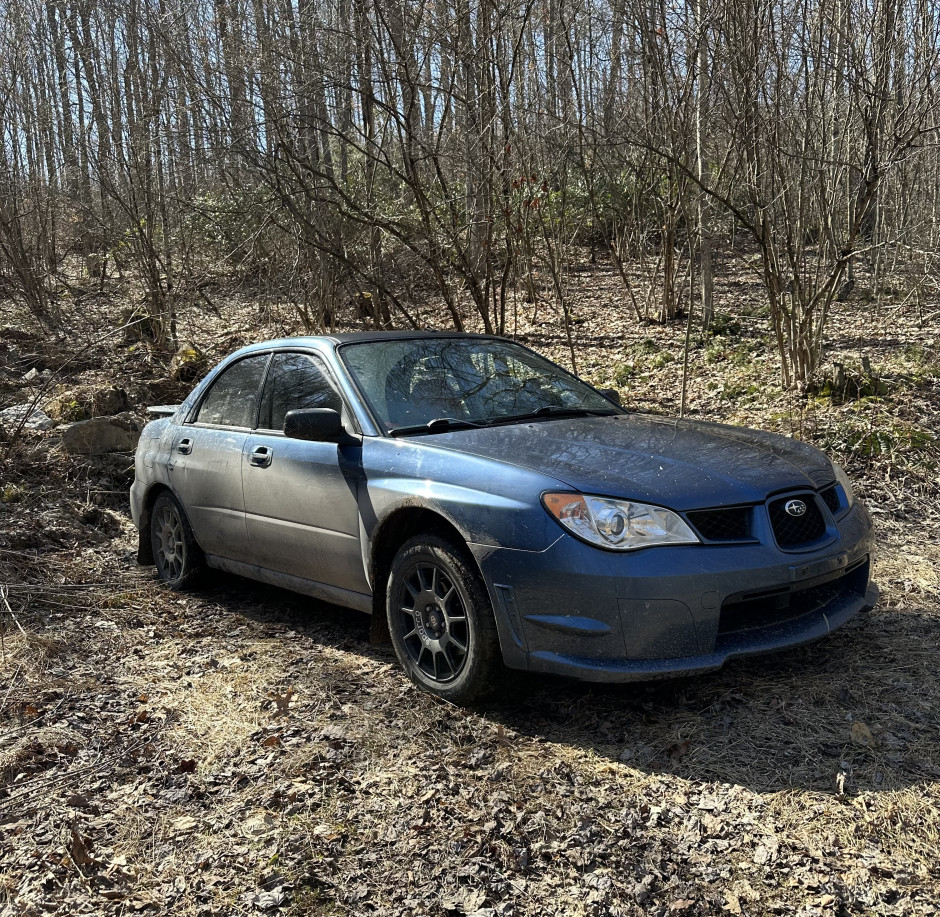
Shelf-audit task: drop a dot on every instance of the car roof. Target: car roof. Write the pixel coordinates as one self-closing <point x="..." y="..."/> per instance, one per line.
<point x="346" y="337"/>
<point x="349" y="337"/>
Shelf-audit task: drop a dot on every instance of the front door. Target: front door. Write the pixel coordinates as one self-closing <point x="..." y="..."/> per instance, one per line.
<point x="301" y="497"/>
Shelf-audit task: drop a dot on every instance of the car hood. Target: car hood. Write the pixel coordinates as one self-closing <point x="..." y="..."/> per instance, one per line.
<point x="679" y="463"/>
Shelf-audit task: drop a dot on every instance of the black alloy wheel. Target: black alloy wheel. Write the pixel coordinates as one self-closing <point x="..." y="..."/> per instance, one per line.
<point x="441" y="621"/>
<point x="177" y="556"/>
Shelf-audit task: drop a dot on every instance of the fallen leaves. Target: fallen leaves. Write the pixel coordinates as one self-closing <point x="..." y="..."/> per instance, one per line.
<point x="238" y="749"/>
<point x="862" y="735"/>
<point x="282" y="701"/>
<point x="766" y="851"/>
<point x="739" y="896"/>
<point x="79" y="850"/>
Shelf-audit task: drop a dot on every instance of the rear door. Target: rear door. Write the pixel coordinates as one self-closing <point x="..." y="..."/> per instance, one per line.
<point x="301" y="498"/>
<point x="206" y="459"/>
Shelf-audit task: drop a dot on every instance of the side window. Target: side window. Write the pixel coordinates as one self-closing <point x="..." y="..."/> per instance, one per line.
<point x="232" y="399"/>
<point x="294" y="381"/>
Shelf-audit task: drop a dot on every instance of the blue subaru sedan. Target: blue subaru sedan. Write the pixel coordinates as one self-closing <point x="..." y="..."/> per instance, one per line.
<point x="495" y="511"/>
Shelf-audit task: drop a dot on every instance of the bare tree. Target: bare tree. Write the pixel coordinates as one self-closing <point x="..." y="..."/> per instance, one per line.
<point x="387" y="155"/>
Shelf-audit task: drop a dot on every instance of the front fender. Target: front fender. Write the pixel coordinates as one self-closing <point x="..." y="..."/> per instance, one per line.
<point x="488" y="502"/>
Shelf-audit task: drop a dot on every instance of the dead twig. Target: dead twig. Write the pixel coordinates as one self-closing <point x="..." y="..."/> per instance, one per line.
<point x="6" y="696"/>
<point x="4" y="592"/>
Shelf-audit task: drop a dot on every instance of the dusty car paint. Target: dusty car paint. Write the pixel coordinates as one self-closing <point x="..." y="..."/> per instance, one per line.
<point x="561" y="605"/>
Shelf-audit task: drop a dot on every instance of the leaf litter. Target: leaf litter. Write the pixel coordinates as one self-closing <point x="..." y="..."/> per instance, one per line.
<point x="241" y="750"/>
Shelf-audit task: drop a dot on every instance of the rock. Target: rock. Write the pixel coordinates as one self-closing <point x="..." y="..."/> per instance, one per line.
<point x="68" y="407"/>
<point x="11" y="418"/>
<point x="139" y="325"/>
<point x="187" y="364"/>
<point x="109" y="401"/>
<point x="32" y="375"/>
<point x="102" y="434"/>
<point x="81" y="404"/>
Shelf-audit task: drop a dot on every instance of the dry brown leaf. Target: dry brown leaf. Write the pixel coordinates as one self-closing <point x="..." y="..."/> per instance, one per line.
<point x="79" y="850"/>
<point x="744" y="890"/>
<point x="282" y="701"/>
<point x="679" y="750"/>
<point x="862" y="735"/>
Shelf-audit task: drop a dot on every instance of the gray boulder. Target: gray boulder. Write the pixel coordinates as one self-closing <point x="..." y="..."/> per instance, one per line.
<point x="102" y="434"/>
<point x="12" y="418"/>
<point x="86" y="401"/>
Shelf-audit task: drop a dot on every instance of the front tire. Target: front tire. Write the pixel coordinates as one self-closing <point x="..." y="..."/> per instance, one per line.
<point x="441" y="621"/>
<point x="178" y="558"/>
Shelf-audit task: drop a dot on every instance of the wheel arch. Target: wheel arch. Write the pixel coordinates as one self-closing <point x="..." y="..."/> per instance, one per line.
<point x="144" y="541"/>
<point x="397" y="528"/>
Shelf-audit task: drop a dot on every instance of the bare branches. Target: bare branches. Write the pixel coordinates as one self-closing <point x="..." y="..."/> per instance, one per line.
<point x="325" y="150"/>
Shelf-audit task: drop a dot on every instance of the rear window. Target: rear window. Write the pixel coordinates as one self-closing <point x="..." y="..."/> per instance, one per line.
<point x="295" y="381"/>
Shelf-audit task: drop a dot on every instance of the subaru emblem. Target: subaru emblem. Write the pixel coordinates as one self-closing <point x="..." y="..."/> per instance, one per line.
<point x="795" y="507"/>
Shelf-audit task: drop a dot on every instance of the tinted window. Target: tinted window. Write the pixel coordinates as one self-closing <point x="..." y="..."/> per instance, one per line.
<point x="232" y="399"/>
<point x="294" y="381"/>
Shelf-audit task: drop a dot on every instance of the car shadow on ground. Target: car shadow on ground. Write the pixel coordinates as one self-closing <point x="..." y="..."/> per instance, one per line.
<point x="854" y="711"/>
<point x="861" y="703"/>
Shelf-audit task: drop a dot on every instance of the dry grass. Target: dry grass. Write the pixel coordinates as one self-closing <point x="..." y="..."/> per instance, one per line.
<point x="240" y="750"/>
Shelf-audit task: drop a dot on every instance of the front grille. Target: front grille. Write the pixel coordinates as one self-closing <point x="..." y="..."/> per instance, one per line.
<point x="792" y="531"/>
<point x="830" y="496"/>
<point x="733" y="524"/>
<point x="747" y="611"/>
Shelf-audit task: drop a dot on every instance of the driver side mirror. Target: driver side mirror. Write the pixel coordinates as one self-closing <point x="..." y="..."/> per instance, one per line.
<point x="320" y="425"/>
<point x="612" y="394"/>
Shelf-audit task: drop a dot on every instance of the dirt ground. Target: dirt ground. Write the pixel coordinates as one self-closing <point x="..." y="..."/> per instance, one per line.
<point x="242" y="750"/>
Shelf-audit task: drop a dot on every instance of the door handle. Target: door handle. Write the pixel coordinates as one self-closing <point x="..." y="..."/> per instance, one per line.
<point x="261" y="457"/>
<point x="185" y="446"/>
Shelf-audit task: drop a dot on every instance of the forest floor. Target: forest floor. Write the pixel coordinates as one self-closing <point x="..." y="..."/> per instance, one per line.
<point x="242" y="750"/>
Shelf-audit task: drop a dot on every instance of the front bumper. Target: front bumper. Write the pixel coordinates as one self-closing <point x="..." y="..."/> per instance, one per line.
<point x="600" y="616"/>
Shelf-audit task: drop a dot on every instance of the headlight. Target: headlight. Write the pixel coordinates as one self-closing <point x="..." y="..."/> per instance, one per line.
<point x="620" y="525"/>
<point x="843" y="479"/>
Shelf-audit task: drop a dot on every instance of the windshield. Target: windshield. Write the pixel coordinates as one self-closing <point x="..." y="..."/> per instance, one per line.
<point x="411" y="382"/>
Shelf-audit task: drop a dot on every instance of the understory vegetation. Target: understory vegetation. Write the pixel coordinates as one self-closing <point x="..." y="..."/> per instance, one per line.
<point x="241" y="750"/>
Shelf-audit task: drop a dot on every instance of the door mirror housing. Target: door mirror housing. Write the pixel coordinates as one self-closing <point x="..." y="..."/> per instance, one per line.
<point x="321" y="425"/>
<point x="612" y="394"/>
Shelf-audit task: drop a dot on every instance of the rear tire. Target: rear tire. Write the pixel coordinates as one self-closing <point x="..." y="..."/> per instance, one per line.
<point x="441" y="621"/>
<point x="178" y="558"/>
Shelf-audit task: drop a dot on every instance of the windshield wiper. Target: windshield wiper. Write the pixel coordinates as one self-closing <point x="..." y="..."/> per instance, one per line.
<point x="554" y="410"/>
<point x="438" y="425"/>
<point x="446" y="424"/>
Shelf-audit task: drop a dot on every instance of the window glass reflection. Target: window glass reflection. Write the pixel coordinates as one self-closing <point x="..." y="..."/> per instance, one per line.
<point x="231" y="400"/>
<point x="408" y="382"/>
<point x="294" y="381"/>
